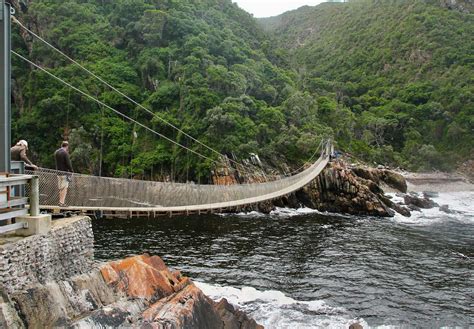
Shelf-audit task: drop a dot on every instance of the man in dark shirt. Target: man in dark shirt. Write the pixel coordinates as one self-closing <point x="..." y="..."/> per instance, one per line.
<point x="18" y="153"/>
<point x="63" y="164"/>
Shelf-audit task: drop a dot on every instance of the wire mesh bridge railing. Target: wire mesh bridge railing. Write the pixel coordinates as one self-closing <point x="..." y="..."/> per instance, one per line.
<point x="92" y="193"/>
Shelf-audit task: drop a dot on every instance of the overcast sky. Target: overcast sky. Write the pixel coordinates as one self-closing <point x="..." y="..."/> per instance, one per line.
<point x="267" y="8"/>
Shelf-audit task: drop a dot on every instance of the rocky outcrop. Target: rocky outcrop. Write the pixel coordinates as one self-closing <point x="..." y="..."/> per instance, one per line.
<point x="355" y="190"/>
<point x="382" y="176"/>
<point x="401" y="209"/>
<point x="341" y="188"/>
<point x="223" y="176"/>
<point x="138" y="291"/>
<point x="423" y="203"/>
<point x="338" y="189"/>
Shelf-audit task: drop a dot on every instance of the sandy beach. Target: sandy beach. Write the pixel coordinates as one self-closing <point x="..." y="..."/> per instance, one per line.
<point x="437" y="182"/>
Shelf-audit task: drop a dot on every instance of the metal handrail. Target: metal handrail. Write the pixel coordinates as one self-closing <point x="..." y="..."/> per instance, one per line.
<point x="12" y="207"/>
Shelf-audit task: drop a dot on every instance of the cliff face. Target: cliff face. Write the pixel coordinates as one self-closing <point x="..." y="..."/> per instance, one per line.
<point x="338" y="189"/>
<point x="135" y="292"/>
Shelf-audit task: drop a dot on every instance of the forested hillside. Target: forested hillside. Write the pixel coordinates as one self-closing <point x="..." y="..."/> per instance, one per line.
<point x="404" y="69"/>
<point x="391" y="81"/>
<point x="199" y="65"/>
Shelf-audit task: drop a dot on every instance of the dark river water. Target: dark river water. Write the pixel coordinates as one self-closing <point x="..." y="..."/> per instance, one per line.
<point x="309" y="270"/>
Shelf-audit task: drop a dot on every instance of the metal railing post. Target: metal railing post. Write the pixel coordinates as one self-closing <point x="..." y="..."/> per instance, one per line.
<point x="34" y="196"/>
<point x="5" y="87"/>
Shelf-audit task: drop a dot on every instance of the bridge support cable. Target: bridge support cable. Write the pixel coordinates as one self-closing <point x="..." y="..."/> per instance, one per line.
<point x="318" y="149"/>
<point x="103" y="105"/>
<point x="238" y="165"/>
<point x="120" y="92"/>
<point x="110" y="108"/>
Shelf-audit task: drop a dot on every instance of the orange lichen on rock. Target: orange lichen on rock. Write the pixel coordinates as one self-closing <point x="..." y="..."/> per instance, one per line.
<point x="143" y="277"/>
<point x="189" y="308"/>
<point x="137" y="292"/>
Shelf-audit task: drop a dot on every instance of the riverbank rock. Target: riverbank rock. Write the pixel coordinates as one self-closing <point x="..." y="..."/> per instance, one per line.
<point x="467" y="170"/>
<point x="402" y="210"/>
<point x="263" y="207"/>
<point x="138" y="291"/>
<point x="445" y="208"/>
<point x="423" y="203"/>
<point x="356" y="326"/>
<point x="390" y="178"/>
<point x="338" y="189"/>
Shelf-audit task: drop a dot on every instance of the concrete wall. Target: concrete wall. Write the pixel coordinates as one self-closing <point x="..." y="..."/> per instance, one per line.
<point x="66" y="251"/>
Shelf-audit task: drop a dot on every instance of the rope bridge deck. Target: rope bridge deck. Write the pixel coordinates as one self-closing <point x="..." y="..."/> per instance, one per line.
<point x="91" y="193"/>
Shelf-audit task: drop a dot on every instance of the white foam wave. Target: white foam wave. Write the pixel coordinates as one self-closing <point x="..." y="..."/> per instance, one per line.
<point x="250" y="214"/>
<point x="290" y="212"/>
<point x="277" y="213"/>
<point x="460" y="207"/>
<point x="273" y="309"/>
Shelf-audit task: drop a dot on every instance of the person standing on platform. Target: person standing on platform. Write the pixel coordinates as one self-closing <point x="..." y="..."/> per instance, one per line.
<point x="63" y="164"/>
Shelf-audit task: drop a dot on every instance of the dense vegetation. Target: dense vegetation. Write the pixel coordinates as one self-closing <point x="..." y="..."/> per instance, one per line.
<point x="404" y="69"/>
<point x="391" y="82"/>
<point x="199" y="65"/>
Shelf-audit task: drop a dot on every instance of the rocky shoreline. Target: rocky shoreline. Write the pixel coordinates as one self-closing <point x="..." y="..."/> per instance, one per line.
<point x="440" y="182"/>
<point x="138" y="292"/>
<point x="359" y="190"/>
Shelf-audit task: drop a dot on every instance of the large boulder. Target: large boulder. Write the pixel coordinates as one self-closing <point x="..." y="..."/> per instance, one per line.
<point x="423" y="203"/>
<point x="232" y="316"/>
<point x="143" y="277"/>
<point x="378" y="176"/>
<point x="402" y="210"/>
<point x="138" y="291"/>
<point x="189" y="308"/>
<point x="394" y="180"/>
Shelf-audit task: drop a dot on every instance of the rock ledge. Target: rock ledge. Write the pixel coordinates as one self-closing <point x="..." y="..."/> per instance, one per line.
<point x="139" y="292"/>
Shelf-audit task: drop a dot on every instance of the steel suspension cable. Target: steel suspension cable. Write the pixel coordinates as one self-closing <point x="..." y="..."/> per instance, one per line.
<point x="243" y="167"/>
<point x="307" y="161"/>
<point x="109" y="107"/>
<point x="119" y="92"/>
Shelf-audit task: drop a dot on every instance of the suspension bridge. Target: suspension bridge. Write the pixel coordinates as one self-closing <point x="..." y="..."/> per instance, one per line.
<point x="113" y="196"/>
<point x="116" y="196"/>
